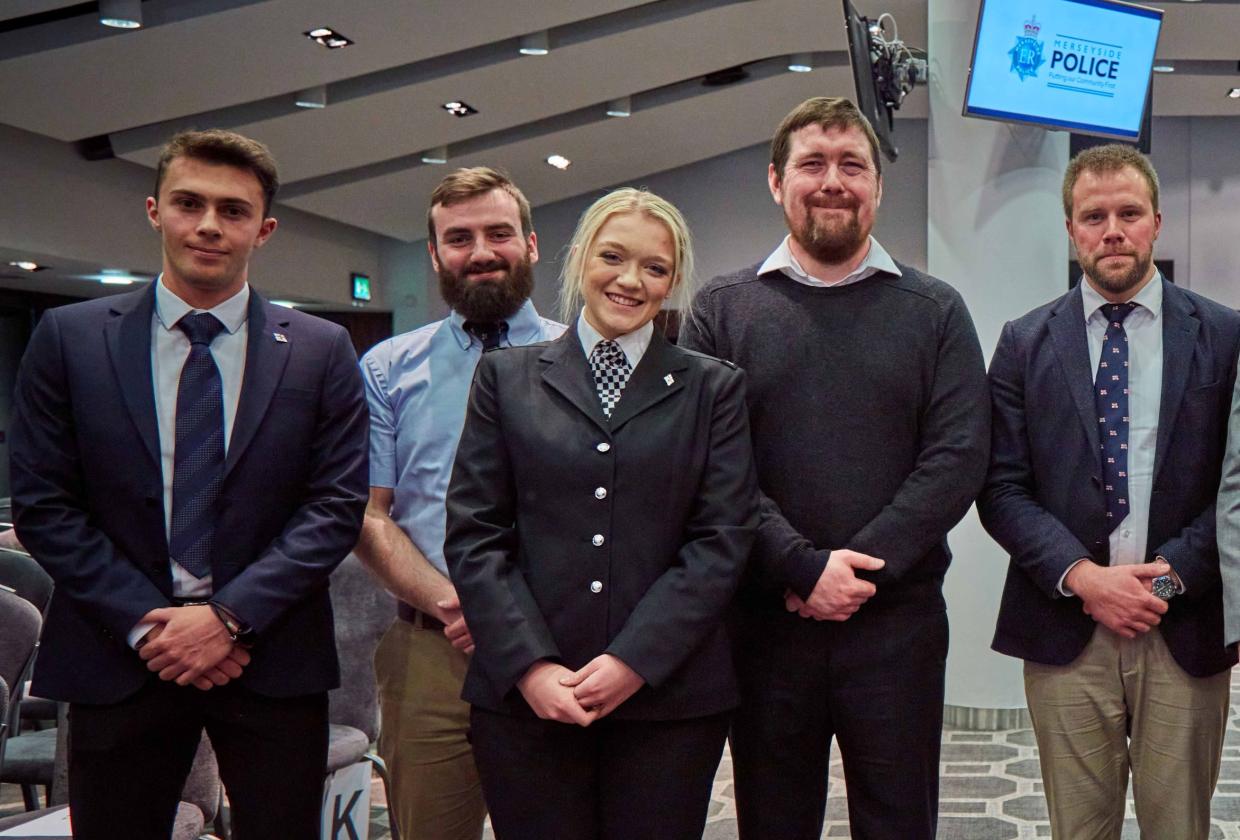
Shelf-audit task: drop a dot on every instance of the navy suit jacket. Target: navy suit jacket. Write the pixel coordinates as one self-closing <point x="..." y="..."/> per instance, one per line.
<point x="676" y="516"/>
<point x="1044" y="500"/>
<point x="88" y="493"/>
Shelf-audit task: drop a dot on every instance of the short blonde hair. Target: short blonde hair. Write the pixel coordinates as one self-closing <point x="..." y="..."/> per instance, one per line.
<point x="627" y="200"/>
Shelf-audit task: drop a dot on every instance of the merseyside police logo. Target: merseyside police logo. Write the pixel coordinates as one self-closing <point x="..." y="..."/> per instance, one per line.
<point x="1027" y="54"/>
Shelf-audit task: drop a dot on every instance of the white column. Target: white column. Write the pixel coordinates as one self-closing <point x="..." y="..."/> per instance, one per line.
<point x="996" y="234"/>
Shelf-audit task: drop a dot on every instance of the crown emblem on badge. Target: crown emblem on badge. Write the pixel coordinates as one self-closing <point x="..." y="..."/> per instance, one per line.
<point x="1032" y="27"/>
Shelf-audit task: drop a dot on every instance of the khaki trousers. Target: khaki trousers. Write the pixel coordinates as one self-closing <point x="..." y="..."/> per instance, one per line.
<point x="423" y="738"/>
<point x="1125" y="704"/>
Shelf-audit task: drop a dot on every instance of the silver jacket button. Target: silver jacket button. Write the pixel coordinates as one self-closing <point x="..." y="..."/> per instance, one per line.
<point x="598" y="539"/>
<point x="596" y="586"/>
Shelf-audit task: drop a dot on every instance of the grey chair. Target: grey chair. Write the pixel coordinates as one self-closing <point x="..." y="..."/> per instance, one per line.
<point x="26" y="577"/>
<point x="199" y="807"/>
<point x="4" y="720"/>
<point x="23" y="574"/>
<point x="363" y="611"/>
<point x="19" y="640"/>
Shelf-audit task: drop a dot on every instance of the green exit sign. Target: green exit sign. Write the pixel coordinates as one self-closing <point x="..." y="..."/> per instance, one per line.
<point x="359" y="287"/>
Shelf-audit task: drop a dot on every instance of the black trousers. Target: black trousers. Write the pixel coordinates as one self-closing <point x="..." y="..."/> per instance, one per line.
<point x="874" y="683"/>
<point x="613" y="780"/>
<point x="128" y="761"/>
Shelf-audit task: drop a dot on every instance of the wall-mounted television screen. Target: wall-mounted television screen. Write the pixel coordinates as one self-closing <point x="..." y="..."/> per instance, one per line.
<point x="1072" y="65"/>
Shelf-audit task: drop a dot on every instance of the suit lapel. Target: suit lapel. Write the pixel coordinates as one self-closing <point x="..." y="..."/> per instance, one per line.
<point x="1180" y="326"/>
<point x="651" y="382"/>
<point x="567" y="371"/>
<point x="265" y="358"/>
<point x="1067" y="329"/>
<point x="128" y="337"/>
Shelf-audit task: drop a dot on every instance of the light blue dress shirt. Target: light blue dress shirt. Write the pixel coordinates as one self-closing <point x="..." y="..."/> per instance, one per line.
<point x="169" y="350"/>
<point x="1144" y="329"/>
<point x="417" y="386"/>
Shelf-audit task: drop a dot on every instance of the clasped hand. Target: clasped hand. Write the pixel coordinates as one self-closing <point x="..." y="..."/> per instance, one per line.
<point x="1119" y="597"/>
<point x="190" y="645"/>
<point x="839" y="592"/>
<point x="581" y="697"/>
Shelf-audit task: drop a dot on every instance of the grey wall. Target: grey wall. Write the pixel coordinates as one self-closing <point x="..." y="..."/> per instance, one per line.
<point x="59" y="205"/>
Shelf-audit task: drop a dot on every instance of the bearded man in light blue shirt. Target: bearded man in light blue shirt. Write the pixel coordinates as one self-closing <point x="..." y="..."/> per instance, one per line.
<point x="483" y="246"/>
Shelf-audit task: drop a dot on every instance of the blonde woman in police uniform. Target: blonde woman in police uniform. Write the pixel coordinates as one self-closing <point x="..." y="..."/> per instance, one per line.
<point x="601" y="509"/>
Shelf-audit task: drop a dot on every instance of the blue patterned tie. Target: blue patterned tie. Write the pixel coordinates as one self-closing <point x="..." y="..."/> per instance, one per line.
<point x="199" y="455"/>
<point x="1111" y="398"/>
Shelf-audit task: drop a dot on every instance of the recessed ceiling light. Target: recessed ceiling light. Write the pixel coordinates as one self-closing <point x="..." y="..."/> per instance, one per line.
<point x="436" y="156"/>
<point x="1163" y="68"/>
<point x="559" y="162"/>
<point x="328" y="37"/>
<point x="314" y="98"/>
<point x="27" y="265"/>
<point x="1234" y="93"/>
<point x="121" y="14"/>
<point x="459" y="109"/>
<point x="536" y="43"/>
<point x="622" y="107"/>
<point x="801" y="63"/>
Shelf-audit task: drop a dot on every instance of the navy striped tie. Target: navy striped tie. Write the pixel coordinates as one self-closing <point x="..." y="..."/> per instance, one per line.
<point x="198" y="463"/>
<point x="1111" y="396"/>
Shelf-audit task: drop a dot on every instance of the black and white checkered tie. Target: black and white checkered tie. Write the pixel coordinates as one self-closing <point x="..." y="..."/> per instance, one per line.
<point x="611" y="373"/>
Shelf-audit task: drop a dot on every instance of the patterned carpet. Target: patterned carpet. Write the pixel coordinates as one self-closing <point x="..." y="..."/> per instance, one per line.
<point x="990" y="790"/>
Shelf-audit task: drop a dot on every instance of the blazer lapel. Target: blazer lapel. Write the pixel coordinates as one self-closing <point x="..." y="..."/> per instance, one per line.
<point x="266" y="353"/>
<point x="567" y="371"/>
<point x="1067" y="330"/>
<point x="128" y="338"/>
<point x="1180" y="326"/>
<point x="651" y="382"/>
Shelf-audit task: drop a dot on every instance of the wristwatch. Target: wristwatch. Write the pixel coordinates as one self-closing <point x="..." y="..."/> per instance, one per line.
<point x="1164" y="586"/>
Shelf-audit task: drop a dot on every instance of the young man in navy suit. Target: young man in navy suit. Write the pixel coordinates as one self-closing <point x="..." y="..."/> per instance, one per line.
<point x="1110" y="420"/>
<point x="189" y="465"/>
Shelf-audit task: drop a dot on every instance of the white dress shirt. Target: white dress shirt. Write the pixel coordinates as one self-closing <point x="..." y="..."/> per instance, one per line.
<point x="1144" y="329"/>
<point x="633" y="344"/>
<point x="782" y="259"/>
<point x="169" y="350"/>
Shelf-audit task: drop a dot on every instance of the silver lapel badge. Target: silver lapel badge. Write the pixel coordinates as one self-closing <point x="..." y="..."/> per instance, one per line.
<point x="669" y="379"/>
<point x="280" y="338"/>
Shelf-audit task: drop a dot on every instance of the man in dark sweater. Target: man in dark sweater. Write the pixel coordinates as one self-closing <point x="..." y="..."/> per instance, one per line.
<point x="870" y="416"/>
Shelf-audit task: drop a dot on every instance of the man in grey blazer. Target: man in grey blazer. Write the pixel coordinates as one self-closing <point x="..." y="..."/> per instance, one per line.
<point x="1228" y="525"/>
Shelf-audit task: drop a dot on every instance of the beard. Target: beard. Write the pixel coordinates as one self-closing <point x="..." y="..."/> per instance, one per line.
<point x="1119" y="280"/>
<point x="829" y="241"/>
<point x="487" y="300"/>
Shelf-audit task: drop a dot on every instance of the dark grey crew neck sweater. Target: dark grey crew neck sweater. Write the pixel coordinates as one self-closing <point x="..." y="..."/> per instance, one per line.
<point x="870" y="417"/>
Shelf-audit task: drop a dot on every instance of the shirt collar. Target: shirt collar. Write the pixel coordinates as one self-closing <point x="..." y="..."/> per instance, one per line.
<point x="524" y="327"/>
<point x="169" y="308"/>
<point x="1150" y="297"/>
<point x="782" y="260"/>
<point x="633" y="344"/>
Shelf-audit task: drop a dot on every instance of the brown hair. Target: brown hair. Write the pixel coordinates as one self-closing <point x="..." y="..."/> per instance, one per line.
<point x="826" y="112"/>
<point x="469" y="182"/>
<point x="1112" y="157"/>
<point x="215" y="145"/>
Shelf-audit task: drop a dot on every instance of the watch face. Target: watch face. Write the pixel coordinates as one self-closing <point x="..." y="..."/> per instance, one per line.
<point x="1163" y="587"/>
